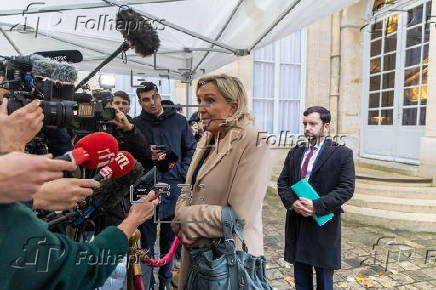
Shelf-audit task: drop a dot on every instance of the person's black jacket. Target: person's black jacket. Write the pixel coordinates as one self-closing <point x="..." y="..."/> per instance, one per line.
<point x="170" y="129"/>
<point x="333" y="179"/>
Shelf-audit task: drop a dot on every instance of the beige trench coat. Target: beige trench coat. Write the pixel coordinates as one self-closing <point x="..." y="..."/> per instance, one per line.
<point x="235" y="174"/>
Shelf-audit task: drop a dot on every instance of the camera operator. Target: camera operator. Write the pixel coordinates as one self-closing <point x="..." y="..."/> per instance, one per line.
<point x="22" y="175"/>
<point x="35" y="255"/>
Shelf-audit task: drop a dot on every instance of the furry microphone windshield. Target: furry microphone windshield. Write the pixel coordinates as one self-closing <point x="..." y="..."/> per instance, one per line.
<point x="137" y="32"/>
<point x="53" y="70"/>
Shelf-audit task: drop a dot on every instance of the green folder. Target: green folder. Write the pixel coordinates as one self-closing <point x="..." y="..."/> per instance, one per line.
<point x="303" y="189"/>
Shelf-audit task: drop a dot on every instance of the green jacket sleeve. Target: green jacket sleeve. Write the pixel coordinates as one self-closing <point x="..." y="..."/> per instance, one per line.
<point x="32" y="257"/>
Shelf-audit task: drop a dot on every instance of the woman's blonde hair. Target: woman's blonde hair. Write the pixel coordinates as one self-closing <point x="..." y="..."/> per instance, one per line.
<point x="233" y="91"/>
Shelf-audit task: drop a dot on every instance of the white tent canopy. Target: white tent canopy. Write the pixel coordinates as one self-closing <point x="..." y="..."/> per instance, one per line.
<point x="196" y="36"/>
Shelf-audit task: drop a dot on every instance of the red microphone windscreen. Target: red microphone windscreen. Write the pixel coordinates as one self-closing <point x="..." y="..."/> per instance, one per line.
<point x="101" y="147"/>
<point x="122" y="164"/>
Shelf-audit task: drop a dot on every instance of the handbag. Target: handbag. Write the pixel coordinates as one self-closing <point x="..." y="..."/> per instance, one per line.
<point x="222" y="267"/>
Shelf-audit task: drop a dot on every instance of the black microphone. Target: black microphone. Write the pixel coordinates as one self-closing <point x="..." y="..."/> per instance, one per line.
<point x="142" y="37"/>
<point x="71" y="56"/>
<point x="112" y="191"/>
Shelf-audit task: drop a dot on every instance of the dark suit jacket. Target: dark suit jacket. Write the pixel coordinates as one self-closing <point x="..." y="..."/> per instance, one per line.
<point x="333" y="179"/>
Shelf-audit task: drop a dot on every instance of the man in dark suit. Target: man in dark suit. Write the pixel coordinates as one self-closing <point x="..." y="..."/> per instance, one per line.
<point x="329" y="168"/>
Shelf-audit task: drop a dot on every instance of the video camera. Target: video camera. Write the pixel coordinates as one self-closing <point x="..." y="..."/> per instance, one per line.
<point x="35" y="77"/>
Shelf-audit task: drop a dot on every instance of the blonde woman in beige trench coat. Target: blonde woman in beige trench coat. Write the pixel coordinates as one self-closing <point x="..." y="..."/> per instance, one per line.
<point x="235" y="172"/>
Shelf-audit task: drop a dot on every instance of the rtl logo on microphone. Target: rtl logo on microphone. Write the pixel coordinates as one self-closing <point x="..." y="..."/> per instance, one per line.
<point x="105" y="157"/>
<point x="122" y="160"/>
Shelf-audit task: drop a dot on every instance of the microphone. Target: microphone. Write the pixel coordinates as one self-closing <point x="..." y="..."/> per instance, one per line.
<point x="101" y="147"/>
<point x="112" y="191"/>
<point x="121" y="165"/>
<point x="93" y="151"/>
<point x="142" y="37"/>
<point x="46" y="68"/>
<point x="53" y="70"/>
<point x="71" y="56"/>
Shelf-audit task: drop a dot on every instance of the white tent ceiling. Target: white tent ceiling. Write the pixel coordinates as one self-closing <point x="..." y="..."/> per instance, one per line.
<point x="186" y="28"/>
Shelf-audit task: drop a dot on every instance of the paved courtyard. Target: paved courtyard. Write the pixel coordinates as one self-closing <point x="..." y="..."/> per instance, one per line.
<point x="365" y="263"/>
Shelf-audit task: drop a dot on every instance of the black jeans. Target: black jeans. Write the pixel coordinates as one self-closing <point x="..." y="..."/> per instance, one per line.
<point x="148" y="240"/>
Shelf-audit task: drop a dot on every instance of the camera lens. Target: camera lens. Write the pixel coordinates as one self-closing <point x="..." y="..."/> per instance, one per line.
<point x="58" y="114"/>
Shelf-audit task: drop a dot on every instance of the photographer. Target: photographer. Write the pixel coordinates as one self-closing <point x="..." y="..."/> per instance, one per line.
<point x="33" y="253"/>
<point x="129" y="139"/>
<point x="128" y="136"/>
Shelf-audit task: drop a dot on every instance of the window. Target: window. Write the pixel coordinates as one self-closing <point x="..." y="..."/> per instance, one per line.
<point x="405" y="31"/>
<point x="277" y="85"/>
<point x="416" y="65"/>
<point x="382" y="71"/>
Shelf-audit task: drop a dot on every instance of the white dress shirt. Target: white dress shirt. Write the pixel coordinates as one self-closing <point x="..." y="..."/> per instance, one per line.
<point x="313" y="159"/>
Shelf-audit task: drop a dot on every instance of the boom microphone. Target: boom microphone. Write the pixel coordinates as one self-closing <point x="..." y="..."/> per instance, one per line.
<point x="141" y="36"/>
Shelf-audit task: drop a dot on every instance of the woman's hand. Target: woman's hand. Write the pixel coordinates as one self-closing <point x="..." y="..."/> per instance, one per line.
<point x="181" y="234"/>
<point x="139" y="213"/>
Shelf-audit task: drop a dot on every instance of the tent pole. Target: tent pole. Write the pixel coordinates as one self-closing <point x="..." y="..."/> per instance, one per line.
<point x="220" y="33"/>
<point x="236" y="51"/>
<point x="188" y="99"/>
<point x="274" y="24"/>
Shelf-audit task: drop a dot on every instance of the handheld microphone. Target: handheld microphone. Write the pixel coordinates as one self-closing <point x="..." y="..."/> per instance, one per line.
<point x="121" y="165"/>
<point x="101" y="147"/>
<point x="127" y="171"/>
<point x="93" y="151"/>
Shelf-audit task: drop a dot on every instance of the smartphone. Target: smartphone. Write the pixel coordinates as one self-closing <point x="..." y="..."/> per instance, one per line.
<point x="161" y="147"/>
